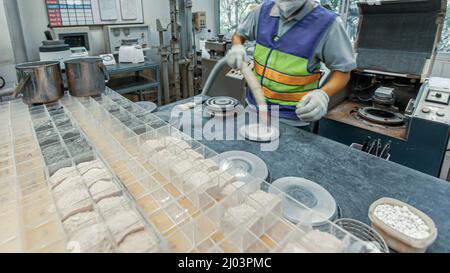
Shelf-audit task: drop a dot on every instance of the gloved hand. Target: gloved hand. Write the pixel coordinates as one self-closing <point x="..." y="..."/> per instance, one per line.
<point x="236" y="56"/>
<point x="313" y="107"/>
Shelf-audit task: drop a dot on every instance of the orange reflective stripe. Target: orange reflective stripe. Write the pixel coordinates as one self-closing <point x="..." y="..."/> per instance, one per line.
<point x="293" y="97"/>
<point x="284" y="78"/>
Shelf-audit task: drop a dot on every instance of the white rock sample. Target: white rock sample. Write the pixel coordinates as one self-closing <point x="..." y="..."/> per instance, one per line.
<point x="235" y="216"/>
<point x="164" y="159"/>
<point x="92" y="239"/>
<point x="321" y="242"/>
<point x="231" y="188"/>
<point x="95" y="175"/>
<point x="123" y="223"/>
<point x="73" y="202"/>
<point x="179" y="143"/>
<point x="403" y="220"/>
<point x="84" y="167"/>
<point x="181" y="168"/>
<point x="364" y="247"/>
<point x="59" y="176"/>
<point x="219" y="180"/>
<point x="152" y="146"/>
<point x="199" y="181"/>
<point x="295" y="247"/>
<point x="139" y="242"/>
<point x="263" y="200"/>
<point x="69" y="184"/>
<point x="79" y="221"/>
<point x="112" y="204"/>
<point x="103" y="189"/>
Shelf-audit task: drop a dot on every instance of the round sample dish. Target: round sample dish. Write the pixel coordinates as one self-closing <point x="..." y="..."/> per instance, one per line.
<point x="222" y="107"/>
<point x="147" y="106"/>
<point x="221" y="104"/>
<point x="244" y="166"/>
<point x="260" y="133"/>
<point x="311" y="195"/>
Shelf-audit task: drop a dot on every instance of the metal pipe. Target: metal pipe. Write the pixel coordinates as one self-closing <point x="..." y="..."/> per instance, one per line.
<point x="183" y="68"/>
<point x="213" y="75"/>
<point x="190" y="49"/>
<point x="175" y="44"/>
<point x="440" y="21"/>
<point x="163" y="51"/>
<point x="183" y="46"/>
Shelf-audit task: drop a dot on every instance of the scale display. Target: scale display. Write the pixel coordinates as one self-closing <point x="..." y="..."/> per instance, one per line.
<point x="62" y="13"/>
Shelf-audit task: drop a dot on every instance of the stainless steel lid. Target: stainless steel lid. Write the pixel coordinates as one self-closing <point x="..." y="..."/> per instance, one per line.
<point x="32" y="65"/>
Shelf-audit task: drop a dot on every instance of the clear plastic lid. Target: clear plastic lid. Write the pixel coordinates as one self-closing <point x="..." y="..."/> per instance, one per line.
<point x="312" y="195"/>
<point x="244" y="166"/>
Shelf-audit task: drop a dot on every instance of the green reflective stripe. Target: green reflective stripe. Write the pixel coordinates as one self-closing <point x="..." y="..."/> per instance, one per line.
<point x="282" y="62"/>
<point x="279" y="87"/>
<point x="285" y="103"/>
<point x="286" y="64"/>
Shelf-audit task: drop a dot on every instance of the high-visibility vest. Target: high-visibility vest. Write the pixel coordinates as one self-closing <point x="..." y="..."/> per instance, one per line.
<point x="282" y="64"/>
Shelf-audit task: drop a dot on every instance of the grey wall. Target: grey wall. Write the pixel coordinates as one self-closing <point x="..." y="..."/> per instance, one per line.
<point x="6" y="51"/>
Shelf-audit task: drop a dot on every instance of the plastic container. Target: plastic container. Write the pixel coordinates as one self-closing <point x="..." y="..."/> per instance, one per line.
<point x="399" y="241"/>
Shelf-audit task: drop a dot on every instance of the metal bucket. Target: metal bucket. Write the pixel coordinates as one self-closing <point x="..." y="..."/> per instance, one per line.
<point x="39" y="82"/>
<point x="86" y="76"/>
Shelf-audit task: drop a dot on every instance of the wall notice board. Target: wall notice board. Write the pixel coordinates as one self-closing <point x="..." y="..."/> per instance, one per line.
<point x="62" y="13"/>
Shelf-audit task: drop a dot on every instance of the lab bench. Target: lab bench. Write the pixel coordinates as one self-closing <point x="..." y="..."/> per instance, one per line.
<point x="38" y="141"/>
<point x="142" y="160"/>
<point x="355" y="179"/>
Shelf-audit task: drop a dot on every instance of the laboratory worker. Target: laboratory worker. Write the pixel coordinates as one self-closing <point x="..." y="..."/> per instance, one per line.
<point x="293" y="38"/>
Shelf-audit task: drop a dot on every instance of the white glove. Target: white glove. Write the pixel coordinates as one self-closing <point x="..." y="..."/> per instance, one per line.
<point x="236" y="56"/>
<point x="313" y="107"/>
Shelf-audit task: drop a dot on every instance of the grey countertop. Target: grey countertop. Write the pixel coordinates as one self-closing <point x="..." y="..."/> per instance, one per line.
<point x="354" y="178"/>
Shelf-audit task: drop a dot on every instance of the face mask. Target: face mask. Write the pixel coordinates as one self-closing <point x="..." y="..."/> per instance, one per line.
<point x="289" y="7"/>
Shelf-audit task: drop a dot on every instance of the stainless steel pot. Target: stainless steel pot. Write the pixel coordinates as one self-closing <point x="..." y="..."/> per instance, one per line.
<point x="86" y="76"/>
<point x="39" y="82"/>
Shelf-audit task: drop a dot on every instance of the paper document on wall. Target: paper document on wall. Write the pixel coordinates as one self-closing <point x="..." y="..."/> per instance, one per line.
<point x="108" y="10"/>
<point x="129" y="9"/>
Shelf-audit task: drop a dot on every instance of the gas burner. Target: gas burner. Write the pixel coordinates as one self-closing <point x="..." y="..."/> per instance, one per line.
<point x="381" y="116"/>
<point x="222" y="106"/>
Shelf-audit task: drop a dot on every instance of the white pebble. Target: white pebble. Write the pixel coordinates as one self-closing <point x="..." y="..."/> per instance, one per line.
<point x="403" y="220"/>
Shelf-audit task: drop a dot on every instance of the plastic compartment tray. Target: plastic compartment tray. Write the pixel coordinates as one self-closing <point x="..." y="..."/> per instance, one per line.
<point x="171" y="205"/>
<point x="185" y="216"/>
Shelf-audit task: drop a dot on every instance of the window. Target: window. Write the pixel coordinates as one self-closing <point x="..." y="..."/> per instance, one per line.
<point x="352" y="19"/>
<point x="232" y="12"/>
<point x="333" y="5"/>
<point x="445" y="42"/>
